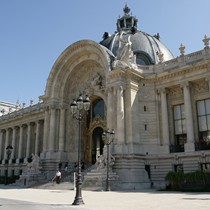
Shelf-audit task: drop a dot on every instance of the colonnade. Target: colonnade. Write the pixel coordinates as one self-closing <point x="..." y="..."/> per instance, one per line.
<point x="25" y="139"/>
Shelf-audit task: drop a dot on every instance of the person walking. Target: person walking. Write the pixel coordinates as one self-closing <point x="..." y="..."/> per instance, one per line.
<point x="57" y="177"/>
<point x="66" y="167"/>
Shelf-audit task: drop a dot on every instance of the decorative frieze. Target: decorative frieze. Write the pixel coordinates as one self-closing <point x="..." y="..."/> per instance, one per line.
<point x="175" y="92"/>
<point x="200" y="87"/>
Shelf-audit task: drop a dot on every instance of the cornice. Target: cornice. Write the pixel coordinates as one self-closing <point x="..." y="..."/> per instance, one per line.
<point x="127" y="74"/>
<point x="177" y="72"/>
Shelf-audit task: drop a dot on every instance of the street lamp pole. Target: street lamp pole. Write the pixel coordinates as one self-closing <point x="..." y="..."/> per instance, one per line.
<point x="77" y="107"/>
<point x="9" y="149"/>
<point x="108" y="137"/>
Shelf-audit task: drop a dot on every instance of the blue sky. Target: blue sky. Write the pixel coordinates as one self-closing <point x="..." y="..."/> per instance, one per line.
<point x="35" y="32"/>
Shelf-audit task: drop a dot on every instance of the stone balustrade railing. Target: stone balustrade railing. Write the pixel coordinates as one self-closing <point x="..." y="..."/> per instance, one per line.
<point x="22" y="111"/>
<point x="178" y="62"/>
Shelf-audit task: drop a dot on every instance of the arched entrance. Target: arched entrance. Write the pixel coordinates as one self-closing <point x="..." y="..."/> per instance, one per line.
<point x="96" y="123"/>
<point x="97" y="143"/>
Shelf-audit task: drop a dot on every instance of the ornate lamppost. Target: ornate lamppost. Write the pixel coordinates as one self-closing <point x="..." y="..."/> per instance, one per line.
<point x="9" y="149"/>
<point x="108" y="137"/>
<point x="79" y="108"/>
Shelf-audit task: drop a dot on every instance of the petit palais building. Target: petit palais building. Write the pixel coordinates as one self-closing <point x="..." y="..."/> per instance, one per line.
<point x="157" y="105"/>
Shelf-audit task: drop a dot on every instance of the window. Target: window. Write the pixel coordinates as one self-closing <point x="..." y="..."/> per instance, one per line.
<point x="178" y="167"/>
<point x="179" y="128"/>
<point x="179" y="119"/>
<point x="98" y="109"/>
<point x="205" y="166"/>
<point x="203" y="114"/>
<point x="145" y="127"/>
<point x="143" y="58"/>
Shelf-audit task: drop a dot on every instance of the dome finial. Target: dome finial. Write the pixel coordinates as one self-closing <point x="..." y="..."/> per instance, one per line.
<point x="128" y="22"/>
<point x="126" y="9"/>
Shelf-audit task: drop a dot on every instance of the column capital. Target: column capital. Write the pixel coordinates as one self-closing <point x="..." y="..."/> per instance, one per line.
<point x="23" y="125"/>
<point x="39" y="121"/>
<point x="207" y="79"/>
<point x="53" y="106"/>
<point x="9" y="129"/>
<point x="162" y="90"/>
<point x="109" y="89"/>
<point x="64" y="106"/>
<point x="46" y="108"/>
<point x="121" y="87"/>
<point x="186" y="84"/>
<point x="15" y="127"/>
<point x="30" y="123"/>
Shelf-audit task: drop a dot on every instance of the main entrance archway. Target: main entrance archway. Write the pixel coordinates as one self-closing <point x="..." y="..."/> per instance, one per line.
<point x="96" y="124"/>
<point x="97" y="143"/>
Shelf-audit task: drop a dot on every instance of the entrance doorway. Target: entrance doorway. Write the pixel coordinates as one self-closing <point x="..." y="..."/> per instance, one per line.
<point x="93" y="145"/>
<point x="97" y="143"/>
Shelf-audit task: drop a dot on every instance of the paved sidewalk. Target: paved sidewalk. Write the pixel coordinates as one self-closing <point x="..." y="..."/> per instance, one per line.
<point x="32" y="199"/>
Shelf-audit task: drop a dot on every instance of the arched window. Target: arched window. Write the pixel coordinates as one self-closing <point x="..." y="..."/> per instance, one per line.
<point x="98" y="109"/>
<point x="143" y="59"/>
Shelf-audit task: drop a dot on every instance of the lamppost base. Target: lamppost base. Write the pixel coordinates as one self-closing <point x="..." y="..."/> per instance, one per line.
<point x="78" y="201"/>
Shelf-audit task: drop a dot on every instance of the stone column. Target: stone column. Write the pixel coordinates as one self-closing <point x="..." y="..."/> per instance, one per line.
<point x="62" y="129"/>
<point x="110" y="109"/>
<point x="20" y="146"/>
<point x="120" y="115"/>
<point x="28" y="141"/>
<point x="164" y="111"/>
<point x="189" y="146"/>
<point x="13" y="143"/>
<point x="52" y="129"/>
<point x="46" y="128"/>
<point x="37" y="137"/>
<point x="6" y="143"/>
<point x="1" y="141"/>
<point x="128" y="114"/>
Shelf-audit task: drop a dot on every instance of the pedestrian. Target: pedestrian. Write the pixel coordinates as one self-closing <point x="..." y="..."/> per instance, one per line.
<point x="57" y="177"/>
<point x="66" y="167"/>
<point x="82" y="165"/>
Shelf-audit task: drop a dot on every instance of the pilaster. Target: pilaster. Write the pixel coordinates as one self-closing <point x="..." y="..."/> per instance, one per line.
<point x="37" y="140"/>
<point x="28" y="141"/>
<point x="6" y="143"/>
<point x="13" y="142"/>
<point x="165" y="123"/>
<point x="110" y="107"/>
<point x="20" y="146"/>
<point x="120" y="116"/>
<point x="62" y="128"/>
<point x="189" y="146"/>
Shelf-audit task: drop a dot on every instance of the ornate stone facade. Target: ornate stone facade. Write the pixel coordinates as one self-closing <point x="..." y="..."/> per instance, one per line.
<point x="156" y="111"/>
